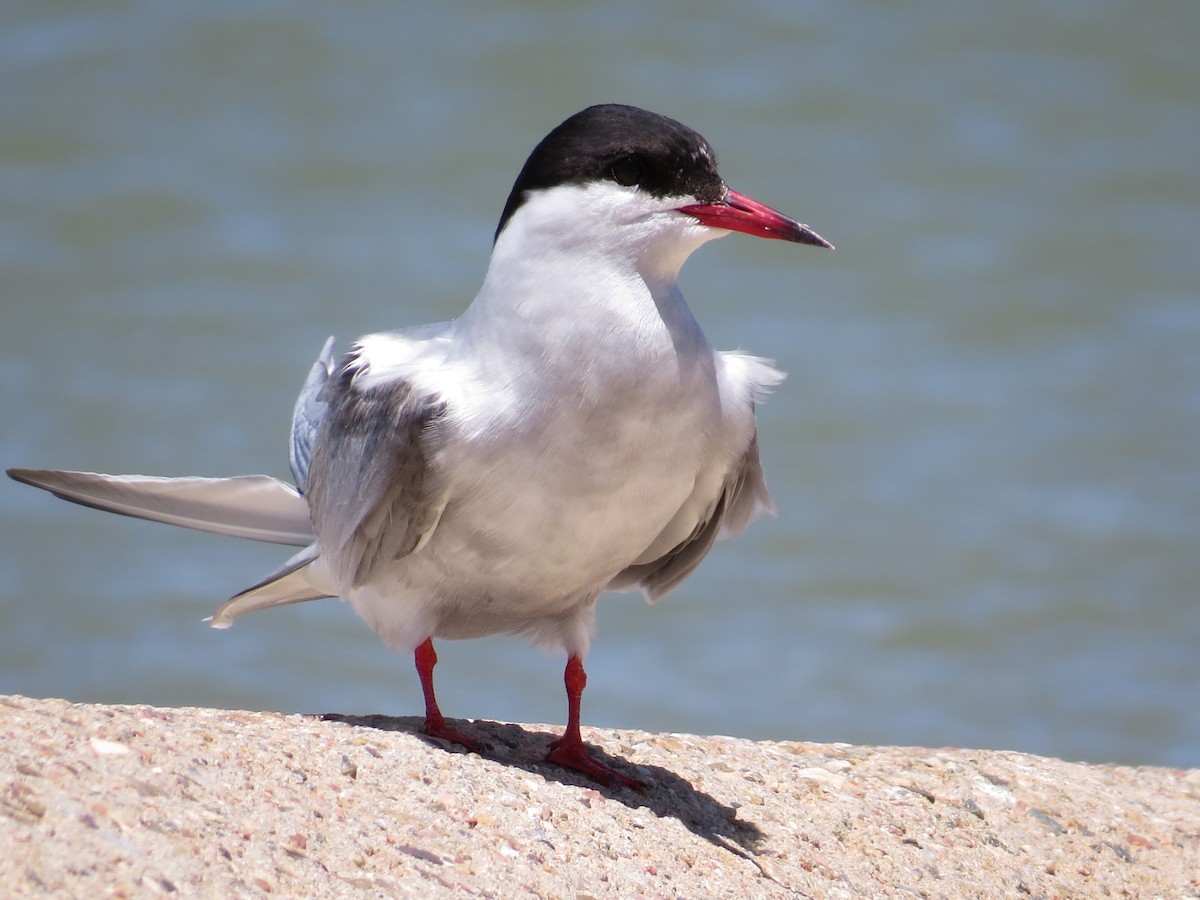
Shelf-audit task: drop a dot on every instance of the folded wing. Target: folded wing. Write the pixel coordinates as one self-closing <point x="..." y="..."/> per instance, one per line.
<point x="372" y="487"/>
<point x="307" y="414"/>
<point x="743" y="495"/>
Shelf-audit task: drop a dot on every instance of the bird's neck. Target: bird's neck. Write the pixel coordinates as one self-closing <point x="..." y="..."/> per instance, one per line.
<point x="603" y="282"/>
<point x="550" y="296"/>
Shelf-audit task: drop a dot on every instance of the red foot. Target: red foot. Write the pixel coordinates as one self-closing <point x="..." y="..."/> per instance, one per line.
<point x="572" y="754"/>
<point x="446" y="733"/>
<point x="435" y="723"/>
<point x="568" y="751"/>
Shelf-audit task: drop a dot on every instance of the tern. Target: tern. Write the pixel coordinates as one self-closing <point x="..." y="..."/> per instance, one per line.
<point x="571" y="432"/>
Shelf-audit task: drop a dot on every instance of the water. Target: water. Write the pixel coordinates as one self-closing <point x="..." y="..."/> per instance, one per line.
<point x="985" y="457"/>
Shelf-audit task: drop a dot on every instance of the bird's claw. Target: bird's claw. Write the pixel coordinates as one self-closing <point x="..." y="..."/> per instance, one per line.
<point x="444" y="732"/>
<point x="574" y="755"/>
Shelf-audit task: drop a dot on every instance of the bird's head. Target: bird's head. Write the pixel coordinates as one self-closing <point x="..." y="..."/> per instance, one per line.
<point x="616" y="179"/>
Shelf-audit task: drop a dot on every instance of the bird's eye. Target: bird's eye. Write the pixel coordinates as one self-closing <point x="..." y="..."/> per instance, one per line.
<point x="627" y="170"/>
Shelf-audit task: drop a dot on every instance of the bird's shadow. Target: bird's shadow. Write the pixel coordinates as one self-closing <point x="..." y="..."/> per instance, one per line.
<point x="666" y="794"/>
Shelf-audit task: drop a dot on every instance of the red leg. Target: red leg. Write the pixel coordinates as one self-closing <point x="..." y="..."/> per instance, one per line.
<point x="568" y="751"/>
<point x="435" y="722"/>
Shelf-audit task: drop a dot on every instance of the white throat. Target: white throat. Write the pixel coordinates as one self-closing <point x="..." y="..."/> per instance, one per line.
<point x="601" y="256"/>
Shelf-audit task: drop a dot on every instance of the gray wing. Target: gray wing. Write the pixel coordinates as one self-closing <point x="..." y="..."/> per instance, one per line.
<point x="256" y="507"/>
<point x="743" y="495"/>
<point x="372" y="490"/>
<point x="306" y="415"/>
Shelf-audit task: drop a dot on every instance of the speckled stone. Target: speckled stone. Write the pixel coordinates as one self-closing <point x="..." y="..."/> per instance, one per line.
<point x="134" y="801"/>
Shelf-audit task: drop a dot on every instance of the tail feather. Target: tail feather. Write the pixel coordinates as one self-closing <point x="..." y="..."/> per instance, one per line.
<point x="293" y="582"/>
<point x="256" y="507"/>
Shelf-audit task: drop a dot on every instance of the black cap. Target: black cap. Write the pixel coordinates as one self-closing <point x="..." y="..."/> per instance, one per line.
<point x="625" y="145"/>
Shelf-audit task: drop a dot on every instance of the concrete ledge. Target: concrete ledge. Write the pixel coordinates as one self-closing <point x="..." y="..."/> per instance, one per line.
<point x="136" y="801"/>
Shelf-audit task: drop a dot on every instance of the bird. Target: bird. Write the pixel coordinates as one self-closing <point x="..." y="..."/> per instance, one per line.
<point x="571" y="432"/>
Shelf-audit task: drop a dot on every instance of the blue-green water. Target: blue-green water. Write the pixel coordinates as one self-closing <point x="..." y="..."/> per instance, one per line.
<point x="985" y="457"/>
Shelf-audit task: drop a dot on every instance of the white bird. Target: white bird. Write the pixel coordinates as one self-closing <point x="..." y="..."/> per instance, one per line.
<point x="571" y="432"/>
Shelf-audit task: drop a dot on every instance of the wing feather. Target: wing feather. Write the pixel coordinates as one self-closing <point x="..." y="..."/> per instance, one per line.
<point x="256" y="507"/>
<point x="742" y="496"/>
<point x="307" y="413"/>
<point x="373" y="492"/>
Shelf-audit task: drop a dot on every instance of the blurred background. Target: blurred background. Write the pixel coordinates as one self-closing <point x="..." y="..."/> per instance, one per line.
<point x="985" y="456"/>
